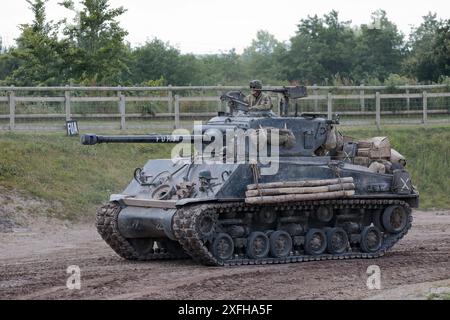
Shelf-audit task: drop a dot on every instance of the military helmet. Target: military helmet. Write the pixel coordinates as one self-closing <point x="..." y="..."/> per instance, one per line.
<point x="256" y="84"/>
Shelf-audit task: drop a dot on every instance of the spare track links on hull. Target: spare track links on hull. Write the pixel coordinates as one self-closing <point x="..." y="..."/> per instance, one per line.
<point x="107" y="227"/>
<point x="187" y="222"/>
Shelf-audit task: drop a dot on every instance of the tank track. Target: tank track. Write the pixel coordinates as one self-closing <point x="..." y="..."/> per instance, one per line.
<point x="185" y="228"/>
<point x="107" y="227"/>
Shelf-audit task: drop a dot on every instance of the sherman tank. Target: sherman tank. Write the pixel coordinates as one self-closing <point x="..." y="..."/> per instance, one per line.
<point x="314" y="194"/>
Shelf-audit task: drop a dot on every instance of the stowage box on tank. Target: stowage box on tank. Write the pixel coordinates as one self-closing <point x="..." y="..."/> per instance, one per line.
<point x="330" y="197"/>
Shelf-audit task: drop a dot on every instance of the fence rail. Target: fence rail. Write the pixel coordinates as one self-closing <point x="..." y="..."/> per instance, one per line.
<point x="119" y="98"/>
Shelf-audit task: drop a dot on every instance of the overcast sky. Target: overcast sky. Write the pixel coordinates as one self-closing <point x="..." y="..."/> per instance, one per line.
<point x="210" y="26"/>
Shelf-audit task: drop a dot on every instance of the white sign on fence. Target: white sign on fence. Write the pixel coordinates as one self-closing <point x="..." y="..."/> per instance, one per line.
<point x="72" y="128"/>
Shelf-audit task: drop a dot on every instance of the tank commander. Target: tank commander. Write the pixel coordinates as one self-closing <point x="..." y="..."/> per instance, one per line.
<point x="257" y="100"/>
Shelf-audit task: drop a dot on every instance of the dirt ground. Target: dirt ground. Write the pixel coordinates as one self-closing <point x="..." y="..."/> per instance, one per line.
<point x="34" y="262"/>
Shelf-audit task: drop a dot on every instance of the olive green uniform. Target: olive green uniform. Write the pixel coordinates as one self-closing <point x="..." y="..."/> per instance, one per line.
<point x="261" y="103"/>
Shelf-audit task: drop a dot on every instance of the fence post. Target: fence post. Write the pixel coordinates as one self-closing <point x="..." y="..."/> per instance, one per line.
<point x="177" y="111"/>
<point x="408" y="100"/>
<point x="425" y="107"/>
<point x="12" y="109"/>
<point x="316" y="100"/>
<point x="330" y="106"/>
<point x="67" y="104"/>
<point x="122" y="107"/>
<point x="378" y="110"/>
<point x="361" y="99"/>
<point x="279" y="100"/>
<point x="170" y="96"/>
<point x="219" y="104"/>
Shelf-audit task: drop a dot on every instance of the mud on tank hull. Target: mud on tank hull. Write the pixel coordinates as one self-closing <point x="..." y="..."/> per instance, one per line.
<point x="215" y="226"/>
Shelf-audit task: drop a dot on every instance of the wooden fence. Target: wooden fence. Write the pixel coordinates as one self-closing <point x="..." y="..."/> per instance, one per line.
<point x="175" y="96"/>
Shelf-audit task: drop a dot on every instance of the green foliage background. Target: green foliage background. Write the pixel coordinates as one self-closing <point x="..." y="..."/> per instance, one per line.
<point x="91" y="50"/>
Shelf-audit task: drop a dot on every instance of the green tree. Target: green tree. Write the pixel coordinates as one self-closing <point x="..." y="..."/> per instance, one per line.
<point x="225" y="68"/>
<point x="4" y="57"/>
<point x="95" y="50"/>
<point x="262" y="58"/>
<point x="379" y="49"/>
<point x="36" y="60"/>
<point x="155" y="60"/>
<point x="7" y="65"/>
<point x="159" y="60"/>
<point x="441" y="51"/>
<point x="189" y="71"/>
<point x="428" y="50"/>
<point x="320" y="50"/>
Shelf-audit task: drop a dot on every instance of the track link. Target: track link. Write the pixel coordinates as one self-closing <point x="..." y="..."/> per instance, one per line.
<point x="107" y="227"/>
<point x="186" y="230"/>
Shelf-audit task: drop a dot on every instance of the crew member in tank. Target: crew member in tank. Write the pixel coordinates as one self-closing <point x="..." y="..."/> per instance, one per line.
<point x="257" y="100"/>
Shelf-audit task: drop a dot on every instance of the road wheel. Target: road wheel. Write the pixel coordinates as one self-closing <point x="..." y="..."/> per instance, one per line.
<point x="280" y="244"/>
<point x="258" y="245"/>
<point x="371" y="239"/>
<point x="315" y="242"/>
<point x="223" y="247"/>
<point x="337" y="240"/>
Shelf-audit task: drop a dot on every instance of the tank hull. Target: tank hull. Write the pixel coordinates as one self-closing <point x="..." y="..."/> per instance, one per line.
<point x="142" y="218"/>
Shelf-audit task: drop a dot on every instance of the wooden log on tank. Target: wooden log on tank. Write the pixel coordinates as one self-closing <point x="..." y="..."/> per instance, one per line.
<point x="282" y="191"/>
<point x="299" y="184"/>
<point x="299" y="197"/>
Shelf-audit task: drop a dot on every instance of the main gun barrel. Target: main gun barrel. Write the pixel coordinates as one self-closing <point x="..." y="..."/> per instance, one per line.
<point x="92" y="139"/>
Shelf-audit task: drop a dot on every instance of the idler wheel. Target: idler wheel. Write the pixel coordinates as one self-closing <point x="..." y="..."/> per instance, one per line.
<point x="394" y="219"/>
<point x="337" y="240"/>
<point x="371" y="239"/>
<point x="258" y="245"/>
<point x="143" y="246"/>
<point x="315" y="242"/>
<point x="223" y="247"/>
<point x="280" y="244"/>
